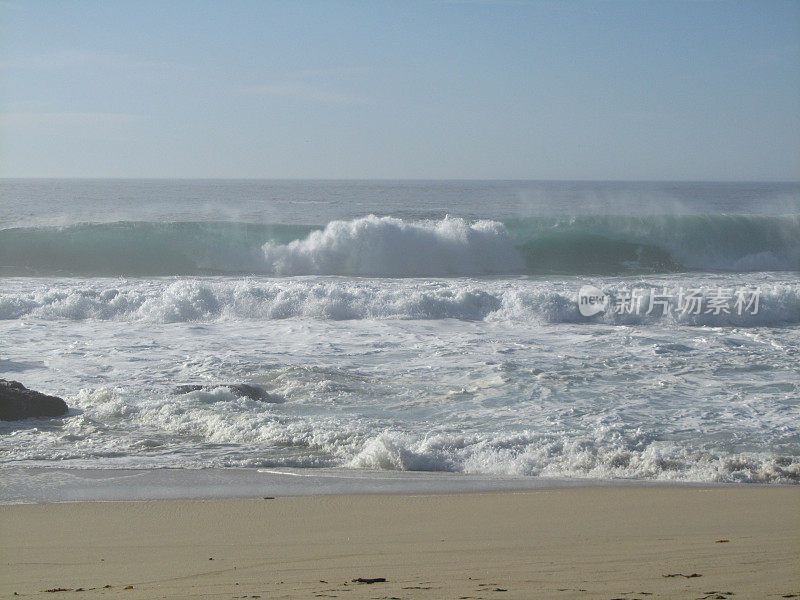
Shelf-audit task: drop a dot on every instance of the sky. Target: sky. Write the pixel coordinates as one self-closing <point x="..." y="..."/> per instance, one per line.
<point x="562" y="90"/>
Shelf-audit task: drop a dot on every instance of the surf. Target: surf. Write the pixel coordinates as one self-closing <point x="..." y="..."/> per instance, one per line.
<point x="523" y="301"/>
<point x="385" y="246"/>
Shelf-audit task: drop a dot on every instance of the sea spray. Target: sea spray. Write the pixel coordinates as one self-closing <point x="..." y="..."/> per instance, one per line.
<point x="406" y="340"/>
<point x="393" y="247"/>
<point x="389" y="247"/>
<point x="209" y="300"/>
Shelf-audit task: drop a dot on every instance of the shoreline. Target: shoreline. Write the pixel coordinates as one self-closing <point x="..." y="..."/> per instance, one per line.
<point x="34" y="485"/>
<point x="570" y="542"/>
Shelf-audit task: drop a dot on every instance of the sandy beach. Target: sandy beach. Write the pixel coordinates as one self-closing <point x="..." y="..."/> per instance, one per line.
<point x="584" y="542"/>
<point x="434" y="300"/>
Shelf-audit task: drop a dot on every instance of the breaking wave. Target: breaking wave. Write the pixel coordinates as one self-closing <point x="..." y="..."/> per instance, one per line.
<point x="151" y="433"/>
<point x="391" y="247"/>
<point x="606" y="455"/>
<point x="515" y="300"/>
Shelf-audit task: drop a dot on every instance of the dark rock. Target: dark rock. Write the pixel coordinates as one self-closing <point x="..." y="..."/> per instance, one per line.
<point x="185" y="389"/>
<point x="240" y="390"/>
<point x="18" y="402"/>
<point x="369" y="580"/>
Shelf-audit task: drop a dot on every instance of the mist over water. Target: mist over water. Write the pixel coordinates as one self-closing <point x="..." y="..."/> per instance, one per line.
<point x="30" y="202"/>
<point x="391" y="247"/>
<point x="403" y="326"/>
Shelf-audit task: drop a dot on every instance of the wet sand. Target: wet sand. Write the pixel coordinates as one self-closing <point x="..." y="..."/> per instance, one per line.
<point x="584" y="542"/>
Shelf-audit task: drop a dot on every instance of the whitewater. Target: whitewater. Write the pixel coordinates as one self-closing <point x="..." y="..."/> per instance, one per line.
<point x="372" y="246"/>
<point x="405" y="326"/>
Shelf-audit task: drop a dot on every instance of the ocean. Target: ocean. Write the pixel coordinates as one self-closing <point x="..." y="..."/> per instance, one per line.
<point x="575" y="331"/>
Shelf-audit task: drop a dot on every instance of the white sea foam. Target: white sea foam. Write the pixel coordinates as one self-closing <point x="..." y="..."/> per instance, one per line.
<point x="402" y="343"/>
<point x="394" y="247"/>
<point x="189" y="430"/>
<point x="194" y="300"/>
<point x="386" y="246"/>
<point x="579" y="457"/>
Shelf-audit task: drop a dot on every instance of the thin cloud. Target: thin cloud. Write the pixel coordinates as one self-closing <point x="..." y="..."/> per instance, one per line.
<point x="333" y="72"/>
<point x="73" y="126"/>
<point x="487" y="1"/>
<point x="56" y="119"/>
<point x="776" y="55"/>
<point x="69" y="59"/>
<point x="26" y="106"/>
<point x="306" y="93"/>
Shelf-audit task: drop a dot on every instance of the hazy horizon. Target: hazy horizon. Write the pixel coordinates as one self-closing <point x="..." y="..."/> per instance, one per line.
<point x="531" y="91"/>
<point x="413" y="179"/>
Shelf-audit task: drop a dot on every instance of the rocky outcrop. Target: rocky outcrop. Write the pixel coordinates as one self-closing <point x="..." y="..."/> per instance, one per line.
<point x="18" y="402"/>
<point x="240" y="390"/>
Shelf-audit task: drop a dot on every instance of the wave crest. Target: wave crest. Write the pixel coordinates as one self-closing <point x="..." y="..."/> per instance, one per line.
<point x="600" y="457"/>
<point x="514" y="300"/>
<point x="385" y="246"/>
<point x="392" y="247"/>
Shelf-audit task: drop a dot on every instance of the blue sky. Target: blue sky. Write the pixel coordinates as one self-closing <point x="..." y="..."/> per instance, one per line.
<point x="643" y="90"/>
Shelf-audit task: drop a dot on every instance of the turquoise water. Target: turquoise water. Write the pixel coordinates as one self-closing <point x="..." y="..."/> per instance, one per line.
<point x="404" y="326"/>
